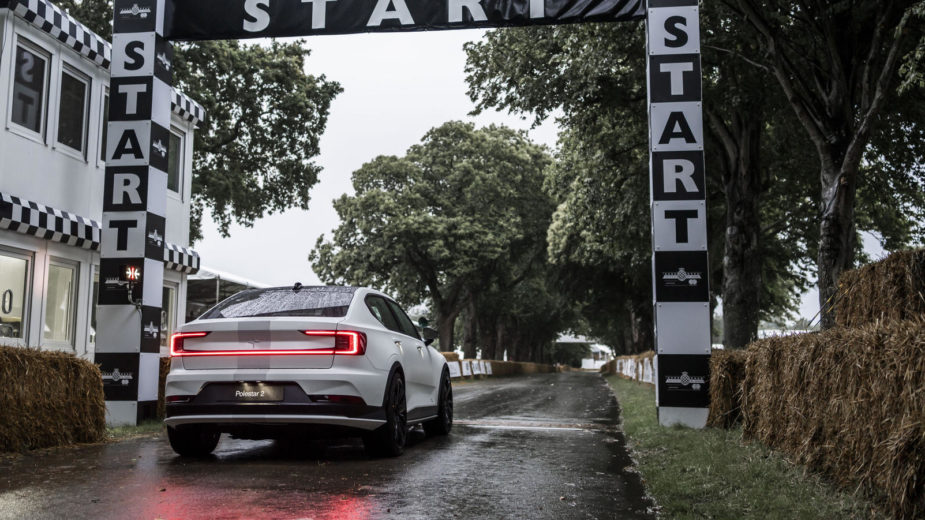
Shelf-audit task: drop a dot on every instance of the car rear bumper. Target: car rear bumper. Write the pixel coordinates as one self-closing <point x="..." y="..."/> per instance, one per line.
<point x="274" y="419"/>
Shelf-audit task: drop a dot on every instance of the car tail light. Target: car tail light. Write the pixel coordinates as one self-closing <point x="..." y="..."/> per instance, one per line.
<point x="337" y="399"/>
<point x="346" y="342"/>
<point x="179" y="398"/>
<point x="176" y="341"/>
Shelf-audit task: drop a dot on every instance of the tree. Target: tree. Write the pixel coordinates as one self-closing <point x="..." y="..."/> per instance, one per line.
<point x="601" y="231"/>
<point x="436" y="223"/>
<point x="837" y="63"/>
<point x="252" y="156"/>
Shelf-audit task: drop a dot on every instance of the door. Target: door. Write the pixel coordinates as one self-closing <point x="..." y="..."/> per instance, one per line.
<point x="418" y="363"/>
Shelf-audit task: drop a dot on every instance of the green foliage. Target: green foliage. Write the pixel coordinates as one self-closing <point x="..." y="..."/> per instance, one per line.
<point x="456" y="218"/>
<point x="711" y="473"/>
<point x="252" y="156"/>
<point x="569" y="354"/>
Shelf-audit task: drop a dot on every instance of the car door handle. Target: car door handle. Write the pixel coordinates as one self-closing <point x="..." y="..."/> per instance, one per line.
<point x="398" y="345"/>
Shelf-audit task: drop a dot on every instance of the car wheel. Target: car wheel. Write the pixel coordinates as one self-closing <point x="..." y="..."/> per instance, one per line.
<point x="443" y="423"/>
<point x="193" y="440"/>
<point x="389" y="439"/>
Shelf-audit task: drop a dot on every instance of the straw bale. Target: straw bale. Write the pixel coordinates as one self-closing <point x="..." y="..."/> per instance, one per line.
<point x="515" y="368"/>
<point x="849" y="402"/>
<point x="48" y="399"/>
<point x="891" y="289"/>
<point x="161" y="382"/>
<point x="451" y="356"/>
<point x="639" y="362"/>
<point x="727" y="373"/>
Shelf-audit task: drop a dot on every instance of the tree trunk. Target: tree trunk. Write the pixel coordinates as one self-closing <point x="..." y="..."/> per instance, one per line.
<point x="643" y="328"/>
<point x="470" y="329"/>
<point x="741" y="257"/>
<point x="837" y="239"/>
<point x="445" y="325"/>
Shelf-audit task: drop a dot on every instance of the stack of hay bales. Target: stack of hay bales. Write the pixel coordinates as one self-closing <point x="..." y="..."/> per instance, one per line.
<point x="727" y="374"/>
<point x="161" y="383"/>
<point x="890" y="290"/>
<point x="48" y="399"/>
<point x="849" y="401"/>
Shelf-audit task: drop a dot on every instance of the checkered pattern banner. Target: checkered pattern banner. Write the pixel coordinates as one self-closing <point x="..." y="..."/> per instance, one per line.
<point x="31" y="218"/>
<point x="182" y="259"/>
<point x="53" y="20"/>
<point x="186" y="108"/>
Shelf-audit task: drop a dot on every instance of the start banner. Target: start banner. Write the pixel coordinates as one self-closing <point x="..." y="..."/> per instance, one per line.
<point x="238" y="19"/>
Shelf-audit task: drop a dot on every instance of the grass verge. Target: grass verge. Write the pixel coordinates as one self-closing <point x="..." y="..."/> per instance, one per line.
<point x="121" y="433"/>
<point x="710" y="473"/>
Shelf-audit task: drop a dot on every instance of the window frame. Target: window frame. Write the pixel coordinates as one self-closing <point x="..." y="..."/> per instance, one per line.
<point x="104" y="124"/>
<point x="174" y="130"/>
<point x="75" y="73"/>
<point x="369" y="308"/>
<point x="20" y="40"/>
<point x="392" y="304"/>
<point x="29" y="257"/>
<point x="75" y="293"/>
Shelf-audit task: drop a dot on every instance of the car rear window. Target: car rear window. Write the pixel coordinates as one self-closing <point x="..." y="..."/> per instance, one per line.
<point x="325" y="301"/>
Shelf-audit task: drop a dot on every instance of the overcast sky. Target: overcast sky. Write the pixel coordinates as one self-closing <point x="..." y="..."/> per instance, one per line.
<point x="397" y="86"/>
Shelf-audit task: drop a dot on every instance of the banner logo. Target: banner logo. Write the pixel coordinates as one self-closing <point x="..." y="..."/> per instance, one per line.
<point x="681" y="277"/>
<point x="694" y="382"/>
<point x="136" y="11"/>
<point x="116" y="377"/>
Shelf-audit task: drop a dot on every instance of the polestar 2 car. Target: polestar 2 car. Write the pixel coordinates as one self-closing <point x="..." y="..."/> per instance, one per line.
<point x="305" y="361"/>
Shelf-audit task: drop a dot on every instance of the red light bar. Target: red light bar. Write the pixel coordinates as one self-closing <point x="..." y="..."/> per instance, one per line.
<point x="176" y="341"/>
<point x="346" y="342"/>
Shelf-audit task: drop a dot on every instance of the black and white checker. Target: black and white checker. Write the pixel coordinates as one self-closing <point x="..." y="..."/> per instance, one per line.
<point x="38" y="220"/>
<point x="680" y="266"/>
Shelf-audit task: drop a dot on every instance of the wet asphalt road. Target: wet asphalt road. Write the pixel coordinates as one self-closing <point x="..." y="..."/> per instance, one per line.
<point x="542" y="446"/>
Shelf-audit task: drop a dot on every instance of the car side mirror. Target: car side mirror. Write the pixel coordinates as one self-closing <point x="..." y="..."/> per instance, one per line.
<point x="429" y="335"/>
<point x="422" y="322"/>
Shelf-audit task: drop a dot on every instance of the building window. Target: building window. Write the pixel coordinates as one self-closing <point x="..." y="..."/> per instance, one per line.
<point x="29" y="79"/>
<point x="14" y="286"/>
<point x="93" y="303"/>
<point x="175" y="166"/>
<point x="168" y="314"/>
<point x="72" y="111"/>
<point x="59" y="304"/>
<point x="105" y="126"/>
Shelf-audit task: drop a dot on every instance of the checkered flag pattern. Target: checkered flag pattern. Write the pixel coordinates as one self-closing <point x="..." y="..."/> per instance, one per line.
<point x="53" y="20"/>
<point x="187" y="108"/>
<point x="31" y="218"/>
<point x="182" y="259"/>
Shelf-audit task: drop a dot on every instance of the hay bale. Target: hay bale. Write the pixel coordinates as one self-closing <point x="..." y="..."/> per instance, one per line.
<point x="161" y="382"/>
<point x="634" y="366"/>
<point x="48" y="399"/>
<point x="849" y="403"/>
<point x="888" y="290"/>
<point x="451" y="356"/>
<point x="727" y="374"/>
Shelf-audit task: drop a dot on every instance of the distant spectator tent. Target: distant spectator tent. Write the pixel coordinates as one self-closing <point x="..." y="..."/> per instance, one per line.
<point x="210" y="286"/>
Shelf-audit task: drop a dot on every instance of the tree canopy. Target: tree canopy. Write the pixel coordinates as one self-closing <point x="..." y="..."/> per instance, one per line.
<point x="265" y="116"/>
<point x="460" y="215"/>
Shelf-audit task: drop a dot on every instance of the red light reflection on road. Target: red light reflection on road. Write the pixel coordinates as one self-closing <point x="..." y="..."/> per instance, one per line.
<point x="219" y="503"/>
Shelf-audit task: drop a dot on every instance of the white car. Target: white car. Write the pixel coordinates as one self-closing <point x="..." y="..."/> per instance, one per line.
<point x="298" y="361"/>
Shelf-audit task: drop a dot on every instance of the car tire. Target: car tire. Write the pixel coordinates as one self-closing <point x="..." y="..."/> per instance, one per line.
<point x="443" y="423"/>
<point x="193" y="440"/>
<point x="389" y="439"/>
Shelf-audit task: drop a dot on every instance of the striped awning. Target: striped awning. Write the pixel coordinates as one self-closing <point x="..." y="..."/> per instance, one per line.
<point x="38" y="220"/>
<point x="182" y="259"/>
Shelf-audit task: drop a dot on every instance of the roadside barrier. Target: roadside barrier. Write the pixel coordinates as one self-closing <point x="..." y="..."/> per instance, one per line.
<point x="48" y="399"/>
<point x="481" y="368"/>
<point x="639" y="367"/>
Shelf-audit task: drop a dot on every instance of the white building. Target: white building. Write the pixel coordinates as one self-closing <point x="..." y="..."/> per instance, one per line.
<point x="54" y="82"/>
